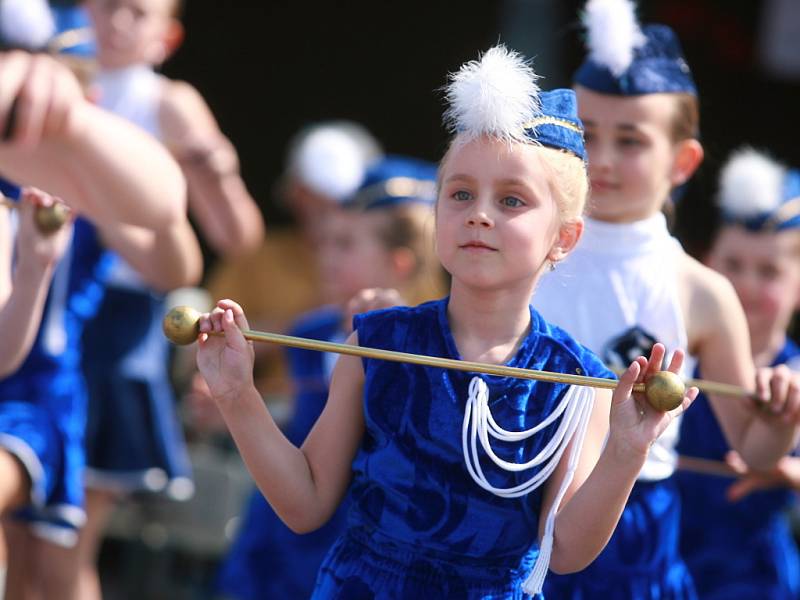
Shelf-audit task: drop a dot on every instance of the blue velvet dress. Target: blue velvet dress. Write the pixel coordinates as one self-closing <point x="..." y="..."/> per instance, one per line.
<point x="267" y="559"/>
<point x="419" y="526"/>
<point x="743" y="550"/>
<point x="43" y="404"/>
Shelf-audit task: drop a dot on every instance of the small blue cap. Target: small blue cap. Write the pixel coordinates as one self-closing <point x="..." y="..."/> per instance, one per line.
<point x="785" y="216"/>
<point x="658" y="66"/>
<point x="393" y="181"/>
<point x="558" y="125"/>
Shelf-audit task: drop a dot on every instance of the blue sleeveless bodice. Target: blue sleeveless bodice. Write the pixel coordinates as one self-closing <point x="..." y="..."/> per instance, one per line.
<point x="743" y="549"/>
<point x="419" y="523"/>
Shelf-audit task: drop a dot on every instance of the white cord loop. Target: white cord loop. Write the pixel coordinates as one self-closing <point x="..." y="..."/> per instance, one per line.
<point x="479" y="424"/>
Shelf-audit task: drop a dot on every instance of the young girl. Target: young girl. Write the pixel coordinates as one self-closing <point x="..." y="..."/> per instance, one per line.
<point x="631" y="285"/>
<point x="431" y="516"/>
<point x="383" y="237"/>
<point x="736" y="546"/>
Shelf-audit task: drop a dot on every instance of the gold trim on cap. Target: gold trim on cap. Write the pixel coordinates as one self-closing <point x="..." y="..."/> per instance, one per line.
<point x="545" y="120"/>
<point x="70" y="38"/>
<point x="788" y="210"/>
<point x="397" y="187"/>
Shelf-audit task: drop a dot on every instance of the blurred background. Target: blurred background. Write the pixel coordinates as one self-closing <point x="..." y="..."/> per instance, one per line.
<point x="268" y="69"/>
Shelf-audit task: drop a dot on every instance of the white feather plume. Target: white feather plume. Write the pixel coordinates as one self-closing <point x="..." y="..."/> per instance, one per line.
<point x="613" y="33"/>
<point x="751" y="183"/>
<point x="26" y="23"/>
<point x="494" y="95"/>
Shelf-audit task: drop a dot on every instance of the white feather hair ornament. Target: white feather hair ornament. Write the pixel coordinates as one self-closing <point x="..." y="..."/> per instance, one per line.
<point x="494" y="95"/>
<point x="26" y="23"/>
<point x="613" y="33"/>
<point x="751" y="184"/>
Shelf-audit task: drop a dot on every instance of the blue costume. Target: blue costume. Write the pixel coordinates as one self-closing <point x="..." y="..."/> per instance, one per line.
<point x="267" y="559"/>
<point x="743" y="550"/>
<point x="419" y="526"/>
<point x="43" y="404"/>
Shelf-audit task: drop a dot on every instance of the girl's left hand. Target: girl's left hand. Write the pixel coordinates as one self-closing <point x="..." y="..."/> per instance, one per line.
<point x="634" y="423"/>
<point x="778" y="388"/>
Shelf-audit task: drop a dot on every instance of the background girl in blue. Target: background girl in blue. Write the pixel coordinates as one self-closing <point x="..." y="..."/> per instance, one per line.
<point x="60" y="142"/>
<point x="381" y="237"/>
<point x="422" y="523"/>
<point x="735" y="537"/>
<point x="639" y="104"/>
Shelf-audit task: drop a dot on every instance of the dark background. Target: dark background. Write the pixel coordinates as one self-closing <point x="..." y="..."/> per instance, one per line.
<point x="268" y="68"/>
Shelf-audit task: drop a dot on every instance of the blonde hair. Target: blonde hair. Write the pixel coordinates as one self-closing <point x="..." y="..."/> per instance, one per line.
<point x="568" y="180"/>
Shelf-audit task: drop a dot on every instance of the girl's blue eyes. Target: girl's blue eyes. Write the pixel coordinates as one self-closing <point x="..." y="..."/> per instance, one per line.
<point x="512" y="202"/>
<point x="509" y="201"/>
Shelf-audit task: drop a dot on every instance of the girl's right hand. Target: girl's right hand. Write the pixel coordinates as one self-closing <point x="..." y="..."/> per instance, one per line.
<point x="33" y="246"/>
<point x="226" y="361"/>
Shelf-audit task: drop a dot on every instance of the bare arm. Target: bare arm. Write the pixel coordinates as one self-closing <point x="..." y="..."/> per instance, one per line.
<point x="98" y="163"/>
<point x="606" y="473"/>
<point x="23" y="295"/>
<point x="218" y="199"/>
<point x="722" y="342"/>
<point x="303" y="485"/>
<point x="166" y="259"/>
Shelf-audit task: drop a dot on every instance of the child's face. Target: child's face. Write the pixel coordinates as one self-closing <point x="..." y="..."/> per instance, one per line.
<point x="351" y="256"/>
<point x="496" y="218"/>
<point x="131" y="32"/>
<point x="631" y="155"/>
<point x="764" y="268"/>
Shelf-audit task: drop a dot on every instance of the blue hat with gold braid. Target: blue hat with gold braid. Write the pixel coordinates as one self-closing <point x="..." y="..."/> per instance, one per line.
<point x="497" y="95"/>
<point x="628" y="60"/>
<point x="759" y="193"/>
<point x="395" y="180"/>
<point x="74" y="34"/>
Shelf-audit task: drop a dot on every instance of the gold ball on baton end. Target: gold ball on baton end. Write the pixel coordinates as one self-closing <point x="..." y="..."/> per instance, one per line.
<point x="664" y="390"/>
<point x="182" y="325"/>
<point x="49" y="219"/>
